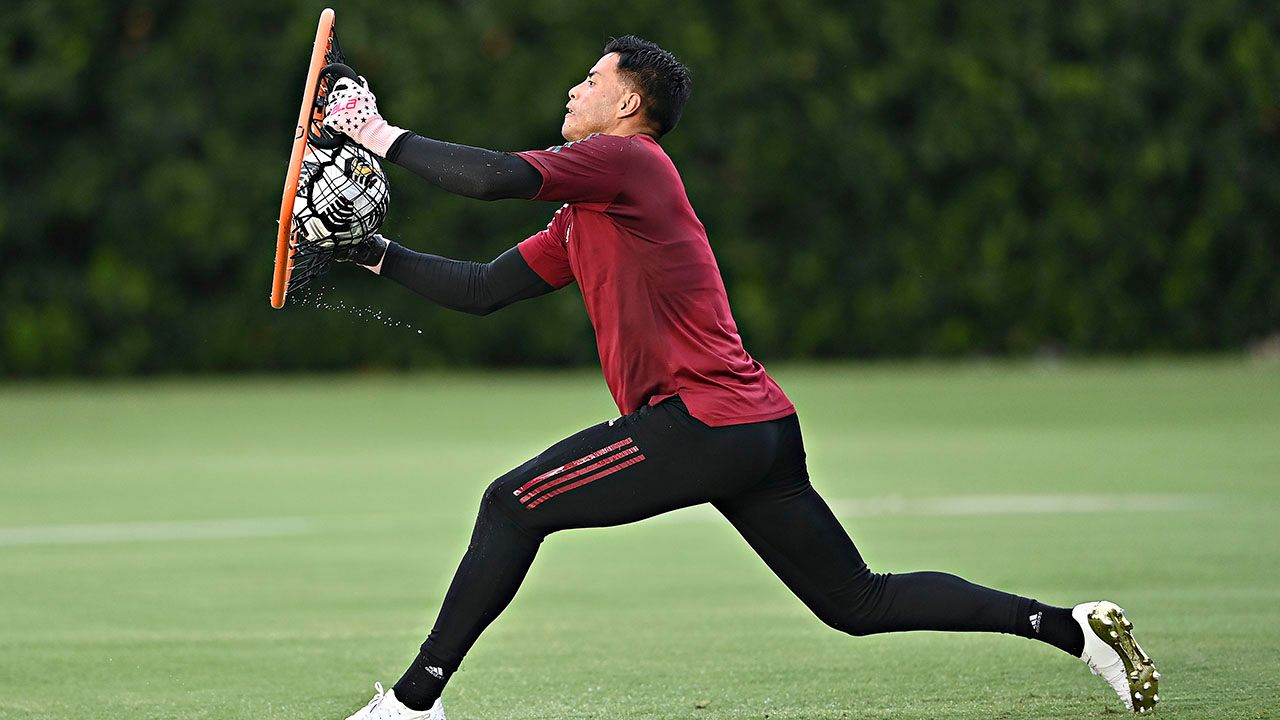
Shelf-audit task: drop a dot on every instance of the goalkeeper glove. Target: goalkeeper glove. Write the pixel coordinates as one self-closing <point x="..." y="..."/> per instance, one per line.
<point x="353" y="111"/>
<point x="368" y="252"/>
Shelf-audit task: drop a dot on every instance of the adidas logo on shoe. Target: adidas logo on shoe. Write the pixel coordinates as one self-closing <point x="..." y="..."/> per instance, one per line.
<point x="1035" y="621"/>
<point x="438" y="673"/>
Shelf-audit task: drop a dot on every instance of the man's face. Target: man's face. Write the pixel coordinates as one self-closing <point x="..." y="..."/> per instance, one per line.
<point x="595" y="102"/>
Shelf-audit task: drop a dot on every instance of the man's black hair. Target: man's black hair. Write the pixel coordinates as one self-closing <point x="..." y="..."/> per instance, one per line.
<point x="661" y="79"/>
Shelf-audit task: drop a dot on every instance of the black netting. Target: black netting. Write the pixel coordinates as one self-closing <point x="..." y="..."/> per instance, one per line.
<point x="342" y="199"/>
<point x="316" y="127"/>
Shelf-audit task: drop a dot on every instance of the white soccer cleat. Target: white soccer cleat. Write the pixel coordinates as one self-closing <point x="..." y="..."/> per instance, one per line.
<point x="1111" y="651"/>
<point x="385" y="706"/>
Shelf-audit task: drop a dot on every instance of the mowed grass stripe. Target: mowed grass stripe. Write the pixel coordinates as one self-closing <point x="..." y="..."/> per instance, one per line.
<point x="222" y="529"/>
<point x="889" y="506"/>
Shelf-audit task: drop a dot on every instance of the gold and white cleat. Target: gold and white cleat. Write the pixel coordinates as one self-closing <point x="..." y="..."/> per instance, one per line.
<point x="1111" y="652"/>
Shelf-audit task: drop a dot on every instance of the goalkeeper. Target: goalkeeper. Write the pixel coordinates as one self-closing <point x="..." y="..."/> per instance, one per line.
<point x="702" y="422"/>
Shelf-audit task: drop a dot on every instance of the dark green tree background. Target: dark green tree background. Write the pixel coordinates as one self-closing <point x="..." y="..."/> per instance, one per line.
<point x="889" y="178"/>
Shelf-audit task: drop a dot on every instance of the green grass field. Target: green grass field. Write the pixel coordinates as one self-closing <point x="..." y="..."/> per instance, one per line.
<point x="261" y="548"/>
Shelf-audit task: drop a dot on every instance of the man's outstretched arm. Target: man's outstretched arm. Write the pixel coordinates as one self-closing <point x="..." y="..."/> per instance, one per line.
<point x="464" y="170"/>
<point x="470" y="287"/>
<point x="460" y="169"/>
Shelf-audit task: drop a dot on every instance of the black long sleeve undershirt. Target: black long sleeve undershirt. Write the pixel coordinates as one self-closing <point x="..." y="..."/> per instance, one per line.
<point x="464" y="170"/>
<point x="470" y="287"/>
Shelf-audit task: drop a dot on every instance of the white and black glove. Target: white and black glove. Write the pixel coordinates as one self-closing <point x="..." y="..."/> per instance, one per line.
<point x="351" y="109"/>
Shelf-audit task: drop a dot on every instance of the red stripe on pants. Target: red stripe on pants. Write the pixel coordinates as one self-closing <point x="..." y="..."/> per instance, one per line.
<point x="579" y="472"/>
<point x="590" y="478"/>
<point x="585" y="458"/>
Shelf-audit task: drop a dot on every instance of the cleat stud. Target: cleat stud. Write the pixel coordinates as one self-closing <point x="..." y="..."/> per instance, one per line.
<point x="1146" y="686"/>
<point x="1137" y="696"/>
<point x="1114" y="634"/>
<point x="1106" y="621"/>
<point x="1155" y="676"/>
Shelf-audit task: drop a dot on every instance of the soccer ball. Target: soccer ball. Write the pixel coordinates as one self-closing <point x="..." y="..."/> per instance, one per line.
<point x="342" y="197"/>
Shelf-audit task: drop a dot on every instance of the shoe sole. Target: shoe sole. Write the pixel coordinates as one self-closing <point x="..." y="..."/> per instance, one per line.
<point x="1108" y="622"/>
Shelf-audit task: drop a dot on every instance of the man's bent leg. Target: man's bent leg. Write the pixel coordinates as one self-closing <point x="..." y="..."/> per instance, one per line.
<point x="787" y="523"/>
<point x="649" y="462"/>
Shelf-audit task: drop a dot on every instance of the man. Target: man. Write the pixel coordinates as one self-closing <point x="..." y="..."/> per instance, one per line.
<point x="702" y="422"/>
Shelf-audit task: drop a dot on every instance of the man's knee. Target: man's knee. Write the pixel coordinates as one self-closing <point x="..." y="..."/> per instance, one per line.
<point x="498" y="504"/>
<point x="850" y="623"/>
<point x="854" y="610"/>
<point x="493" y="494"/>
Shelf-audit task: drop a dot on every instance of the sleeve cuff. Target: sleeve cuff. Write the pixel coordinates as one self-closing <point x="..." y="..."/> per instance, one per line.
<point x="532" y="159"/>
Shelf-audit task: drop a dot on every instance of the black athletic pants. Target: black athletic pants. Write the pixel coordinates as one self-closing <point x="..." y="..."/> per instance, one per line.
<point x="661" y="458"/>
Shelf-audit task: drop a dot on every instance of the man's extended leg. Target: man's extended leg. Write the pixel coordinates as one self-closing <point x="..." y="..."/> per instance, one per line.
<point x="796" y="534"/>
<point x="787" y="523"/>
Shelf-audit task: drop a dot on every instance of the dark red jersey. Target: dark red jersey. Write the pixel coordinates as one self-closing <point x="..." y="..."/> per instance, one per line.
<point x="628" y="235"/>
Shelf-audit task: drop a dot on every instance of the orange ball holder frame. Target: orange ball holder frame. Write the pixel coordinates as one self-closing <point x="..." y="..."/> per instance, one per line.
<point x="325" y="51"/>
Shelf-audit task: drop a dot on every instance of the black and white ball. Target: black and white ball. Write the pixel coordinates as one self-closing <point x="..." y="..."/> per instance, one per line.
<point x="342" y="197"/>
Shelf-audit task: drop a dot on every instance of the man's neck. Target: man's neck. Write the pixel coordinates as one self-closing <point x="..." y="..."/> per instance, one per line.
<point x="630" y="126"/>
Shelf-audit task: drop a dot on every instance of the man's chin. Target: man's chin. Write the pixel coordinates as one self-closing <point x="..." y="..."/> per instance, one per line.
<point x="571" y="133"/>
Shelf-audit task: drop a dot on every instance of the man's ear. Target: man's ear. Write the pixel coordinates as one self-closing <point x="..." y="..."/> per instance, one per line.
<point x="629" y="105"/>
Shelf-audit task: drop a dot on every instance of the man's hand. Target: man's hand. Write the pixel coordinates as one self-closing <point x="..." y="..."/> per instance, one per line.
<point x="368" y="252"/>
<point x="352" y="110"/>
